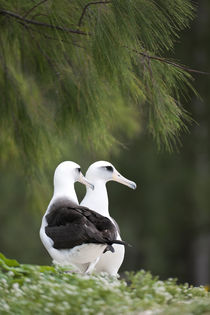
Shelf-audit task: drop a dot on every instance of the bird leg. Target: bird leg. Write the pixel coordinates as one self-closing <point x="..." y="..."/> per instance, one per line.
<point x="92" y="266"/>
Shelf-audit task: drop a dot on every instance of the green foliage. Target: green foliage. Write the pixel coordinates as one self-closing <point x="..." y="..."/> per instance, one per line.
<point x="34" y="289"/>
<point x="70" y="78"/>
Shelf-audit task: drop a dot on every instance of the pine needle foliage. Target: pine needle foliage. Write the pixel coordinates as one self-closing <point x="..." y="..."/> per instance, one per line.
<point x="83" y="72"/>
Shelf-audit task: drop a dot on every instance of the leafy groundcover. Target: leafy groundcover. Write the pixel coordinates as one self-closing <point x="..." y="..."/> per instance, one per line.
<point x="31" y="289"/>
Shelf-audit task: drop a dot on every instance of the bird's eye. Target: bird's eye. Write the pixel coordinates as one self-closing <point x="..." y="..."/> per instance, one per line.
<point x="109" y="168"/>
<point x="79" y="169"/>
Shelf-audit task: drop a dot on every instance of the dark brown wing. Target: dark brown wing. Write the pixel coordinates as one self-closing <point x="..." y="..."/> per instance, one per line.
<point x="71" y="225"/>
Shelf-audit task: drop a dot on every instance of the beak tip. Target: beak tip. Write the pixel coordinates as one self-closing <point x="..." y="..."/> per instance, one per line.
<point x="133" y="186"/>
<point x="92" y="186"/>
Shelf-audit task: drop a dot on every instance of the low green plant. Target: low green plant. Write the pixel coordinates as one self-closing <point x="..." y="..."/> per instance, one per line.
<point x="31" y="289"/>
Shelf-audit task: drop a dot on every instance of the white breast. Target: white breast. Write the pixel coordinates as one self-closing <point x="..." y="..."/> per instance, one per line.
<point x="97" y="200"/>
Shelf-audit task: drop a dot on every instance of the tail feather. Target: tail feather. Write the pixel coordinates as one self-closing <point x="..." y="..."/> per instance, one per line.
<point x="111" y="248"/>
<point x="120" y="243"/>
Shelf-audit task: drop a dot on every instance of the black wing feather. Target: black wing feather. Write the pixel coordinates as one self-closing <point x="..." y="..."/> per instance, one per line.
<point x="70" y="225"/>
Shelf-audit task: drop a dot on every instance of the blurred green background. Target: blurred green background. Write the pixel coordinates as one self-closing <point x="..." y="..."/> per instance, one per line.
<point x="167" y="219"/>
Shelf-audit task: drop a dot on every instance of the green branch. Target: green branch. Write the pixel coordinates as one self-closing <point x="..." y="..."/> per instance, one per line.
<point x="57" y="27"/>
<point x="34" y="7"/>
<point x="87" y="5"/>
<point x="164" y="60"/>
<point x="171" y="63"/>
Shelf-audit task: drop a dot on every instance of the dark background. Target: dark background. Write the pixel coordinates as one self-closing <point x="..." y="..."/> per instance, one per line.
<point x="167" y="219"/>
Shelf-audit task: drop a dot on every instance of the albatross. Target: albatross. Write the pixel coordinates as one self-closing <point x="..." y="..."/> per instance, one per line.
<point x="72" y="234"/>
<point x="99" y="173"/>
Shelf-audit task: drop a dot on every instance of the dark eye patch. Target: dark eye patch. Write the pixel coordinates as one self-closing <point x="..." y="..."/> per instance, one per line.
<point x="109" y="168"/>
<point x="79" y="169"/>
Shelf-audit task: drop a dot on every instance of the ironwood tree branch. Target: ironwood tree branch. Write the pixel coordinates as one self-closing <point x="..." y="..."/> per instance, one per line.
<point x="49" y="60"/>
<point x="87" y="5"/>
<point x="63" y="29"/>
<point x="34" y="7"/>
<point x="34" y="22"/>
<point x="54" y="38"/>
<point x="169" y="62"/>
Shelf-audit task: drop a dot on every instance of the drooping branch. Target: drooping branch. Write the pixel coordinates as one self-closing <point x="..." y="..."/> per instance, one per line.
<point x="87" y="5"/>
<point x="64" y="29"/>
<point x="34" y="7"/>
<point x="169" y="62"/>
<point x="49" y="60"/>
<point x="34" y="22"/>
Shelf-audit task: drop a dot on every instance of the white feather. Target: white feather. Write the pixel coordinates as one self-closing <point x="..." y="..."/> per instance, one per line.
<point x="81" y="258"/>
<point x="97" y="200"/>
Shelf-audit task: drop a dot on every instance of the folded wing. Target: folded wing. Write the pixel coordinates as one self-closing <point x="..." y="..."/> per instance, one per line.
<point x="70" y="225"/>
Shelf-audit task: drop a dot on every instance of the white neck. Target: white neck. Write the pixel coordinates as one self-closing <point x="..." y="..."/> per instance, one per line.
<point x="66" y="191"/>
<point x="97" y="199"/>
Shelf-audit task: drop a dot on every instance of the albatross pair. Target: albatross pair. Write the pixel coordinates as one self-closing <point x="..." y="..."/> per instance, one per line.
<point x="83" y="236"/>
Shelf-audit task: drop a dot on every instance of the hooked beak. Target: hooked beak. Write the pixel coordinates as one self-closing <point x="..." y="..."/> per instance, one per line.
<point x="85" y="182"/>
<point x="117" y="177"/>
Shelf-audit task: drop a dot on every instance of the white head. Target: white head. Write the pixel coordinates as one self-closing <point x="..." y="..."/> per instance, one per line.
<point x="67" y="173"/>
<point x="103" y="171"/>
